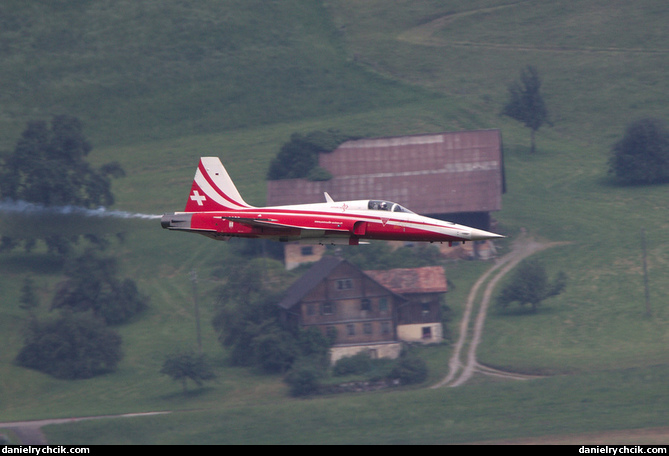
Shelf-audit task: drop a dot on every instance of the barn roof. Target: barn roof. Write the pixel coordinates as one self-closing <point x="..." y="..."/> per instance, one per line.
<point x="430" y="279"/>
<point x="440" y="173"/>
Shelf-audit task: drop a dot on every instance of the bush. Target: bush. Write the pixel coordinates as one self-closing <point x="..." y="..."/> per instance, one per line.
<point x="72" y="346"/>
<point x="642" y="155"/>
<point x="410" y="369"/>
<point x="357" y="364"/>
<point x="304" y="380"/>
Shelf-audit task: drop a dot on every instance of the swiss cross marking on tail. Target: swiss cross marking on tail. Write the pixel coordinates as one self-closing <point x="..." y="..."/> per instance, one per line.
<point x="197" y="197"/>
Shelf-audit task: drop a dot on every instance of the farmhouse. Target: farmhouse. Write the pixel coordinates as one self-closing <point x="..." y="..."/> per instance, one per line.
<point x="454" y="176"/>
<point x="371" y="311"/>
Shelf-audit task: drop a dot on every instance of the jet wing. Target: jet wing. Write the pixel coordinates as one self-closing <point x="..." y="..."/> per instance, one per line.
<point x="274" y="223"/>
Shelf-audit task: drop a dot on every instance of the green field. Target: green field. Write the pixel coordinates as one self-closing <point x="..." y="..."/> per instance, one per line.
<point x="160" y="83"/>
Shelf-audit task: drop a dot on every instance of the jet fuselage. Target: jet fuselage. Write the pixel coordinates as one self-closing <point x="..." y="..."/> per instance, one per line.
<point x="224" y="215"/>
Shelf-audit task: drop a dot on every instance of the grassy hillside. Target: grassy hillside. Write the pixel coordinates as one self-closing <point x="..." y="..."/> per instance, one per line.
<point x="602" y="64"/>
<point x="474" y="413"/>
<point x="159" y="84"/>
<point x="138" y="71"/>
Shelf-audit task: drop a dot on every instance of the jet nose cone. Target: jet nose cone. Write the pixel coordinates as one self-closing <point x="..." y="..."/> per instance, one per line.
<point x="480" y="235"/>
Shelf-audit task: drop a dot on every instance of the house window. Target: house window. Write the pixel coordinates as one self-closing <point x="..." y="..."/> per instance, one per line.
<point x="350" y="330"/>
<point x="425" y="309"/>
<point x="385" y="327"/>
<point x="331" y="332"/>
<point x="327" y="308"/>
<point x="367" y="328"/>
<point x="311" y="310"/>
<point x="344" y="284"/>
<point x="427" y="332"/>
<point x="366" y="304"/>
<point x="307" y="251"/>
<point x="383" y="304"/>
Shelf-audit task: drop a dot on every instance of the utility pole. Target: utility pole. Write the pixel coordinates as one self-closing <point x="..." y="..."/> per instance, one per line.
<point x="645" y="271"/>
<point x="193" y="278"/>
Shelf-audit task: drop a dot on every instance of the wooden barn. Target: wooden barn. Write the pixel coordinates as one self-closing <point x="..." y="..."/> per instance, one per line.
<point x="454" y="176"/>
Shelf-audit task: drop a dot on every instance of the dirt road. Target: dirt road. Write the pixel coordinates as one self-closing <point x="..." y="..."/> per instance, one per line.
<point x="30" y="432"/>
<point x="460" y="372"/>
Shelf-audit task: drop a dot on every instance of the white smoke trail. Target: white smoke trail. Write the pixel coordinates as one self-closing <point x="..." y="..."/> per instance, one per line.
<point x="26" y="208"/>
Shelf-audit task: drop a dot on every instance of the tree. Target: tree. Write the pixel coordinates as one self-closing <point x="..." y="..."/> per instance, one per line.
<point x="72" y="346"/>
<point x="92" y="285"/>
<point x="526" y="104"/>
<point x="275" y="350"/>
<point x="48" y="166"/>
<point x="298" y="158"/>
<point x="530" y="285"/>
<point x="187" y="365"/>
<point x="315" y="345"/>
<point x="642" y="155"/>
<point x="247" y="310"/>
<point x="247" y="321"/>
<point x="29" y="300"/>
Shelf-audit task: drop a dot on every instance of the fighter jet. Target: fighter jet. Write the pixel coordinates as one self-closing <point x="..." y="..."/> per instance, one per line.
<point x="216" y="209"/>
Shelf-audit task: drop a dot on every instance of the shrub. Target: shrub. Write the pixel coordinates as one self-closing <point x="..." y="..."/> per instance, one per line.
<point x="357" y="364"/>
<point x="304" y="380"/>
<point x="642" y="155"/>
<point x="410" y="369"/>
<point x="70" y="347"/>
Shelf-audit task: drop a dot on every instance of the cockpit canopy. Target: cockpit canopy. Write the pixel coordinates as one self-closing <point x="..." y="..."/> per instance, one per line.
<point x="379" y="205"/>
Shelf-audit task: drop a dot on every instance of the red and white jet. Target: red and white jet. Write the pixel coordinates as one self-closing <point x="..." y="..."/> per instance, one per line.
<point x="216" y="209"/>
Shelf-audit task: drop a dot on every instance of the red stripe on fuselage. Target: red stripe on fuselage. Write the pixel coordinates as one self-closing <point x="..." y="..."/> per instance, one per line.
<point x="337" y="224"/>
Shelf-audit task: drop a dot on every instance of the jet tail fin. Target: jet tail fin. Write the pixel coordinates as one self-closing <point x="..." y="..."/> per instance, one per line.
<point x="213" y="189"/>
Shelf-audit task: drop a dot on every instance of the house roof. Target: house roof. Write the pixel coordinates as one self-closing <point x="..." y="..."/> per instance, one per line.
<point x="309" y="280"/>
<point x="319" y="271"/>
<point x="430" y="279"/>
<point x="440" y="173"/>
